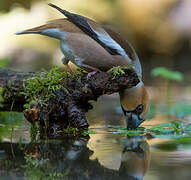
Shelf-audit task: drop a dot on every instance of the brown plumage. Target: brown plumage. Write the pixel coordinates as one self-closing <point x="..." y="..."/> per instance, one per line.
<point x="95" y="47"/>
<point x="63" y="24"/>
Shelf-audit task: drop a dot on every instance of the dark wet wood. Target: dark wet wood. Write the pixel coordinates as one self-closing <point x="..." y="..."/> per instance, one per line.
<point x="12" y="83"/>
<point x="65" y="108"/>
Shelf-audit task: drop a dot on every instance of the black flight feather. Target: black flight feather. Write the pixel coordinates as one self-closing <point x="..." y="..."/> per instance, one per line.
<point x="82" y="23"/>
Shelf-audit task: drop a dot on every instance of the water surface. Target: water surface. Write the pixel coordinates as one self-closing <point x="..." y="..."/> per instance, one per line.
<point x="105" y="154"/>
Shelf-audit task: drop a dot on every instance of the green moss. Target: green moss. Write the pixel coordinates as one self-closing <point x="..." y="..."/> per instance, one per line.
<point x="38" y="90"/>
<point x="1" y="98"/>
<point x="119" y="70"/>
<point x="174" y="129"/>
<point x="87" y="132"/>
<point x="34" y="131"/>
<point x="71" y="131"/>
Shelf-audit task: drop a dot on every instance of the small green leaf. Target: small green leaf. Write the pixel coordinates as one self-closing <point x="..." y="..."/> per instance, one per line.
<point x="163" y="128"/>
<point x="167" y="74"/>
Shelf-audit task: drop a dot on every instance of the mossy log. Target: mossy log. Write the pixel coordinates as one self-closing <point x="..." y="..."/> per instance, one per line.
<point x="68" y="105"/>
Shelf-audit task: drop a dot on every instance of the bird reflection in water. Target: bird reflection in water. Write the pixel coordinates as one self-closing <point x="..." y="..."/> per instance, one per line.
<point x="70" y="158"/>
<point x="135" y="158"/>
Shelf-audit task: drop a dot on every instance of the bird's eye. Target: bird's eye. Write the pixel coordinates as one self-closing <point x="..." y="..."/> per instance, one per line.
<point x="139" y="109"/>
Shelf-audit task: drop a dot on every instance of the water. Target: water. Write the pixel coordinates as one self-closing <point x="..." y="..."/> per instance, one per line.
<point x="103" y="155"/>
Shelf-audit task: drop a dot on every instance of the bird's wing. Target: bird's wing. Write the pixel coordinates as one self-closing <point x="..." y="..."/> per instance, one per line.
<point x="129" y="50"/>
<point x="97" y="32"/>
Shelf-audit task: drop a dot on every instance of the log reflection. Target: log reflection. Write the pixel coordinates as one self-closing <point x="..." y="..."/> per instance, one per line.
<point x="64" y="158"/>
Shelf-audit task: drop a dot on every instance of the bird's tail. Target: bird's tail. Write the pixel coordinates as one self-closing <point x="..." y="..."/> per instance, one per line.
<point x="41" y="29"/>
<point x="66" y="13"/>
<point x="36" y="30"/>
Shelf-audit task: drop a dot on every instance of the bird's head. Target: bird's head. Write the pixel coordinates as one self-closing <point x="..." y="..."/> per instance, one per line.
<point x="135" y="105"/>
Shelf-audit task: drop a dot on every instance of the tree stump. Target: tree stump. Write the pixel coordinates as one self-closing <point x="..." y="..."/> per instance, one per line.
<point x="69" y="99"/>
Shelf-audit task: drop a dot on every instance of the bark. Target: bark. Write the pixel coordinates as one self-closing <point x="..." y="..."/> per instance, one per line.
<point x="65" y="108"/>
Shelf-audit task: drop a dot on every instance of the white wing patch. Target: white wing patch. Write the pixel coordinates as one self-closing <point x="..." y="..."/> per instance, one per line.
<point x="106" y="39"/>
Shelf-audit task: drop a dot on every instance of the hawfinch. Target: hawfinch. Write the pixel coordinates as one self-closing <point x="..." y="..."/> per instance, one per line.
<point x="94" y="47"/>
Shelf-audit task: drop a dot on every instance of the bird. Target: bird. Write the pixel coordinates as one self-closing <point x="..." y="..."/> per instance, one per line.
<point x="95" y="47"/>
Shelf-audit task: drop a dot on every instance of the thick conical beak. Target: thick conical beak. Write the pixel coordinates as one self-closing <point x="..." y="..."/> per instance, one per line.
<point x="133" y="120"/>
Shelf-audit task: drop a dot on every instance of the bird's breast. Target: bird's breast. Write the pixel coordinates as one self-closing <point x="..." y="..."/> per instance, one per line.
<point x="67" y="51"/>
<point x="70" y="54"/>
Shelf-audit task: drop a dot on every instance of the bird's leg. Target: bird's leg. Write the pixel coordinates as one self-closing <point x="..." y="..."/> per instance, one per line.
<point x="65" y="62"/>
<point x="92" y="68"/>
<point x="69" y="68"/>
